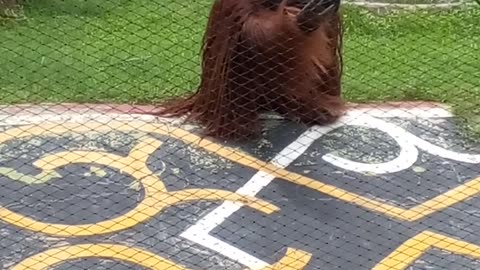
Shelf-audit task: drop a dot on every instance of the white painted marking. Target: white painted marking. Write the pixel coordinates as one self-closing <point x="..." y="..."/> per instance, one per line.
<point x="442" y="152"/>
<point x="407" y="142"/>
<point x="367" y="117"/>
<point x="40" y="114"/>
<point x="408" y="152"/>
<point x="416" y="112"/>
<point x="75" y="117"/>
<point x="199" y="233"/>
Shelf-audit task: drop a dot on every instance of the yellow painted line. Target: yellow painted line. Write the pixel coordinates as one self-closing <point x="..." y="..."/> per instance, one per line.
<point x="155" y="200"/>
<point x="53" y="257"/>
<point x="406" y="254"/>
<point x="398" y="260"/>
<point x="438" y="203"/>
<point x="187" y="195"/>
<point x="414" y="248"/>
<point x="443" y="201"/>
<point x="293" y="260"/>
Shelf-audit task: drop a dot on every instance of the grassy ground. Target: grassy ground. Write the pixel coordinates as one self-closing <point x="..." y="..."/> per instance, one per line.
<point x="142" y="51"/>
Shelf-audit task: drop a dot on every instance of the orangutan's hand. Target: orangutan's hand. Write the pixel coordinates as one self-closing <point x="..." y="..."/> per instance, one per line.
<point x="313" y="13"/>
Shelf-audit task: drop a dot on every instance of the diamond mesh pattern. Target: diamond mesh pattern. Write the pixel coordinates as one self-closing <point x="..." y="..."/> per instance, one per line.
<point x="239" y="134"/>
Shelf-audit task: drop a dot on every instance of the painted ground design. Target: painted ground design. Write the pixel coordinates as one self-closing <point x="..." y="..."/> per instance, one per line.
<point x="388" y="187"/>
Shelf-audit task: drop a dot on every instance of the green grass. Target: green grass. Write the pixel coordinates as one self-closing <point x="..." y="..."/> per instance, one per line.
<point x="119" y="50"/>
<point x="433" y="56"/>
<point x="143" y="51"/>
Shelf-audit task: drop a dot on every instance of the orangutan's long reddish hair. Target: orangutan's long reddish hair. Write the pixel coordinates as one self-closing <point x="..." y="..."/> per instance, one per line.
<point x="267" y="55"/>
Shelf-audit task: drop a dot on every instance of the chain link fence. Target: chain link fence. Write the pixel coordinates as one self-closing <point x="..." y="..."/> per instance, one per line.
<point x="246" y="134"/>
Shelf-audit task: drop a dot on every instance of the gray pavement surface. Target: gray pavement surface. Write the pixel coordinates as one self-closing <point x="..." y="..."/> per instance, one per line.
<point x="328" y="216"/>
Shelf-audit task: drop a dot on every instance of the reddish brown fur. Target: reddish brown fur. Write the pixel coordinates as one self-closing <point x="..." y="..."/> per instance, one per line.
<point x="257" y="60"/>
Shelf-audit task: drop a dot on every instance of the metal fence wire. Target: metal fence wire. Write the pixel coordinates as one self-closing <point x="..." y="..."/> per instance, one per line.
<point x="239" y="134"/>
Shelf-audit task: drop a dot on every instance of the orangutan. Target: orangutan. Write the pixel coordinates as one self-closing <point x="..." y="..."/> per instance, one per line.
<point x="266" y="56"/>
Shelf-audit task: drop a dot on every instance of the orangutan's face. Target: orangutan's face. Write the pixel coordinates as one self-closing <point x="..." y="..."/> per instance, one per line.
<point x="309" y="13"/>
